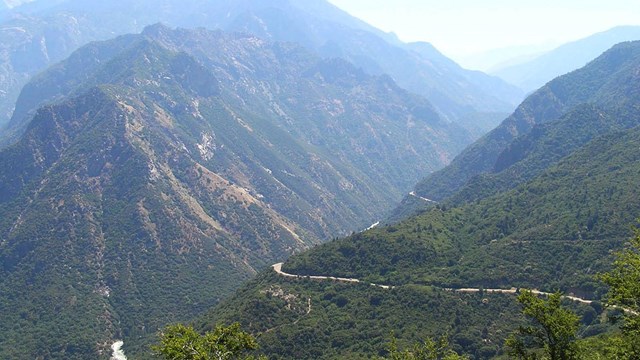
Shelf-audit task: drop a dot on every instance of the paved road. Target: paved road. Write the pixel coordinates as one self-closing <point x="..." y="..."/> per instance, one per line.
<point x="413" y="193"/>
<point x="278" y="269"/>
<point x="515" y="290"/>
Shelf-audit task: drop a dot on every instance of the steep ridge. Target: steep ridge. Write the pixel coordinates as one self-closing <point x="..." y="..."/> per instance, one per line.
<point x="109" y="242"/>
<point x="606" y="84"/>
<point x="553" y="232"/>
<point x="578" y="209"/>
<point x="536" y="72"/>
<point x="35" y="39"/>
<point x="560" y="200"/>
<point x="530" y="154"/>
<point x="175" y="165"/>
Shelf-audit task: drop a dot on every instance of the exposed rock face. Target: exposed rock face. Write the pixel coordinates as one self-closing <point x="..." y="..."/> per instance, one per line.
<point x="39" y="35"/>
<point x="175" y="164"/>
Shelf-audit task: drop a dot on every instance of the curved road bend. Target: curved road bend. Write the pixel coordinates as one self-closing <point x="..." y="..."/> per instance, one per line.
<point x="278" y="269"/>
<point x="413" y="193"/>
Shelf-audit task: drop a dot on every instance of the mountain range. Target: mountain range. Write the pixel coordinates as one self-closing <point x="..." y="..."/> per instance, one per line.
<point x="164" y="176"/>
<point x="571" y="158"/>
<point x="156" y="172"/>
<point x="42" y="33"/>
<point x="606" y="84"/>
<point x="534" y="73"/>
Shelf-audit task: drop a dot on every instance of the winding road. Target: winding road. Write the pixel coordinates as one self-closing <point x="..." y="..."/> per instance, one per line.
<point x="278" y="269"/>
<point x="413" y="193"/>
<point x="513" y="291"/>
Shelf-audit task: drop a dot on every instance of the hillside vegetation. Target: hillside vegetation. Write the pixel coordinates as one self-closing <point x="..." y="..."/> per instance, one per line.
<point x="175" y="165"/>
<point x="559" y="196"/>
<point x="550" y="124"/>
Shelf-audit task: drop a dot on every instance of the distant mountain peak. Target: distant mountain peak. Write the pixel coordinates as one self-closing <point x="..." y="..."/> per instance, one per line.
<point x="317" y="25"/>
<point x="606" y="88"/>
<point x="538" y="71"/>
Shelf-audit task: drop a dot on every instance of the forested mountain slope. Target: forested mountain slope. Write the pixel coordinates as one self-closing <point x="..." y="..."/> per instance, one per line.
<point x="596" y="99"/>
<point x="559" y="197"/>
<point x="554" y="232"/>
<point x="176" y="164"/>
<point x="536" y="72"/>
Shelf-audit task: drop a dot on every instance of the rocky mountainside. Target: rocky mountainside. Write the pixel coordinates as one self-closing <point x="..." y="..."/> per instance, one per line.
<point x="38" y="36"/>
<point x="590" y="101"/>
<point x="554" y="232"/>
<point x="157" y="171"/>
<point x="553" y="205"/>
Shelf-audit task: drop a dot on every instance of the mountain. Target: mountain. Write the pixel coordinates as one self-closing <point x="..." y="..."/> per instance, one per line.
<point x="307" y="319"/>
<point x="36" y="38"/>
<point x="156" y="172"/>
<point x="554" y="204"/>
<point x="606" y="84"/>
<point x="554" y="232"/>
<point x="534" y="73"/>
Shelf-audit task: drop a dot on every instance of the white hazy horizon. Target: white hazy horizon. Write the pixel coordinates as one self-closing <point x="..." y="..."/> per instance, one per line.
<point x="467" y="29"/>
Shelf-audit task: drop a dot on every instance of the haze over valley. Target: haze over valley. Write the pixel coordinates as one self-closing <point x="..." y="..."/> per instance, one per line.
<point x="190" y="180"/>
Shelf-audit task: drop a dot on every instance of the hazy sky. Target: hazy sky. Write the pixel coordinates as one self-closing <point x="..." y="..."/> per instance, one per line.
<point x="463" y="27"/>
